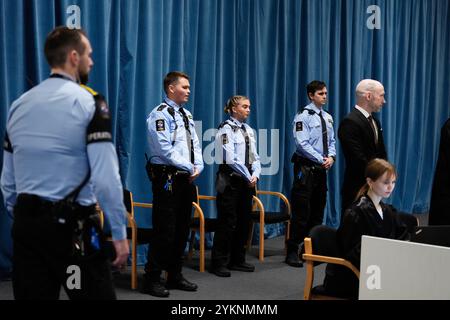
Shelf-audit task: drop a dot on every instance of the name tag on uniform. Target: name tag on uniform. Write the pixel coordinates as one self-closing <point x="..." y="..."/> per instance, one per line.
<point x="160" y="126"/>
<point x="299" y="126"/>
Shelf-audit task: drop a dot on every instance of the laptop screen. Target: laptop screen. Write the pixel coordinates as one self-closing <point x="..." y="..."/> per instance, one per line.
<point x="434" y="235"/>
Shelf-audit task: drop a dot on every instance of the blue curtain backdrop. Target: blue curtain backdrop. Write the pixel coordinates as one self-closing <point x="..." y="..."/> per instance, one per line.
<point x="265" y="49"/>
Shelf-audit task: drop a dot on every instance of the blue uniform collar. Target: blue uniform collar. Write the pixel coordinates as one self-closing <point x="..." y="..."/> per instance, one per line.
<point x="237" y="122"/>
<point x="314" y="108"/>
<point x="172" y="103"/>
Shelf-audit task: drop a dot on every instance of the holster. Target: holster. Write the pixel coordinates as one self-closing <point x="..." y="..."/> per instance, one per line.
<point x="161" y="171"/>
<point x="88" y="238"/>
<point x="82" y="221"/>
<point x="303" y="176"/>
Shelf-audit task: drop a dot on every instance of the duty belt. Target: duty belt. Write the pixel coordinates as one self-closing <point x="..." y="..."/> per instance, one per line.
<point x="46" y="207"/>
<point x="161" y="168"/>
<point x="227" y="170"/>
<point x="306" y="162"/>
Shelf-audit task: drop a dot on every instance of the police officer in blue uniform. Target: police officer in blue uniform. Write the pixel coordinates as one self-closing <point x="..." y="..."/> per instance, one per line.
<point x="315" y="154"/>
<point x="236" y="180"/>
<point x="58" y="161"/>
<point x="175" y="162"/>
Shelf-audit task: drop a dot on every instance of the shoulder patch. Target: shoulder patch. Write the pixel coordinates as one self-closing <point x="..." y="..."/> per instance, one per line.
<point x="224" y="138"/>
<point x="99" y="129"/>
<point x="102" y="106"/>
<point x="299" y="126"/>
<point x="160" y="125"/>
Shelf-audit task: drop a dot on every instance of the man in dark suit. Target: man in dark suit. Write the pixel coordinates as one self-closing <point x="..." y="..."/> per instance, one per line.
<point x="361" y="138"/>
<point x="440" y="194"/>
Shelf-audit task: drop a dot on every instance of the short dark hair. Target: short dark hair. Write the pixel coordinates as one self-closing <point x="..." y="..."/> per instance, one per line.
<point x="60" y="41"/>
<point x="314" y="86"/>
<point x="172" y="77"/>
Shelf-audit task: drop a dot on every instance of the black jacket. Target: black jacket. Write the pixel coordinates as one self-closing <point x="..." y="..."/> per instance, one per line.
<point x="363" y="219"/>
<point x="360" y="219"/>
<point x="358" y="144"/>
<point x="440" y="195"/>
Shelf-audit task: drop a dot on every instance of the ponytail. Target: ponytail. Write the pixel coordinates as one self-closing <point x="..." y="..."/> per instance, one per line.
<point x="362" y="191"/>
<point x="233" y="102"/>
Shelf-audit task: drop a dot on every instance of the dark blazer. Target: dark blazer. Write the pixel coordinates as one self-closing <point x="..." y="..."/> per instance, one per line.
<point x="358" y="144"/>
<point x="440" y="195"/>
<point x="360" y="219"/>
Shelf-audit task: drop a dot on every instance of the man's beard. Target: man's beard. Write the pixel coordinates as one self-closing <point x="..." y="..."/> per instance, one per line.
<point x="84" y="77"/>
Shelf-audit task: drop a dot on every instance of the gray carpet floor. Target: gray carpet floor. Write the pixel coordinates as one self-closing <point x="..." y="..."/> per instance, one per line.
<point x="272" y="280"/>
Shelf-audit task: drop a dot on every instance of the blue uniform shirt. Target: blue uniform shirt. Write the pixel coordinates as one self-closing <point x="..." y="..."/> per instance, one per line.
<point x="307" y="129"/>
<point x="230" y="148"/>
<point x="168" y="138"/>
<point x="49" y="148"/>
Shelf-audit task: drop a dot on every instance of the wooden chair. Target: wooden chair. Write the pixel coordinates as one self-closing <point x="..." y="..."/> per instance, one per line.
<point x="261" y="216"/>
<point x="134" y="233"/>
<point x="321" y="247"/>
<point x="138" y="235"/>
<point x="201" y="225"/>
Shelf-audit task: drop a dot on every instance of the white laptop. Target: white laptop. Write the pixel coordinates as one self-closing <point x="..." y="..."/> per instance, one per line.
<point x="402" y="270"/>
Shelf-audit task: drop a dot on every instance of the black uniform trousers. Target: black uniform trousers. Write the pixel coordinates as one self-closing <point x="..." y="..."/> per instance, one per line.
<point x="234" y="206"/>
<point x="44" y="259"/>
<point x="308" y="199"/>
<point x="172" y="209"/>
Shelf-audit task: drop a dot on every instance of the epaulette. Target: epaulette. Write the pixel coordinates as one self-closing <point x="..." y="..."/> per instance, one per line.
<point x="90" y="90"/>
<point x="223" y="124"/>
<point x="170" y="109"/>
<point x="311" y="112"/>
<point x="161" y="107"/>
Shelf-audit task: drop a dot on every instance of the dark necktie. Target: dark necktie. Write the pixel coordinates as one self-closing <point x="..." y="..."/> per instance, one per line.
<point x="247" y="148"/>
<point x="188" y="134"/>
<point x="324" y="135"/>
<point x="375" y="136"/>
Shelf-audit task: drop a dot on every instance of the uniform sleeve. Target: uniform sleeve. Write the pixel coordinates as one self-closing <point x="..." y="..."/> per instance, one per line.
<point x="105" y="170"/>
<point x="8" y="183"/>
<point x="302" y="138"/>
<point x="256" y="165"/>
<point x="332" y="143"/>
<point x="158" y="128"/>
<point x="198" y="156"/>
<point x="227" y="148"/>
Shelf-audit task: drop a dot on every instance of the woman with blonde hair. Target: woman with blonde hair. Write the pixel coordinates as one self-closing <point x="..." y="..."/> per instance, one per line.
<point x="238" y="173"/>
